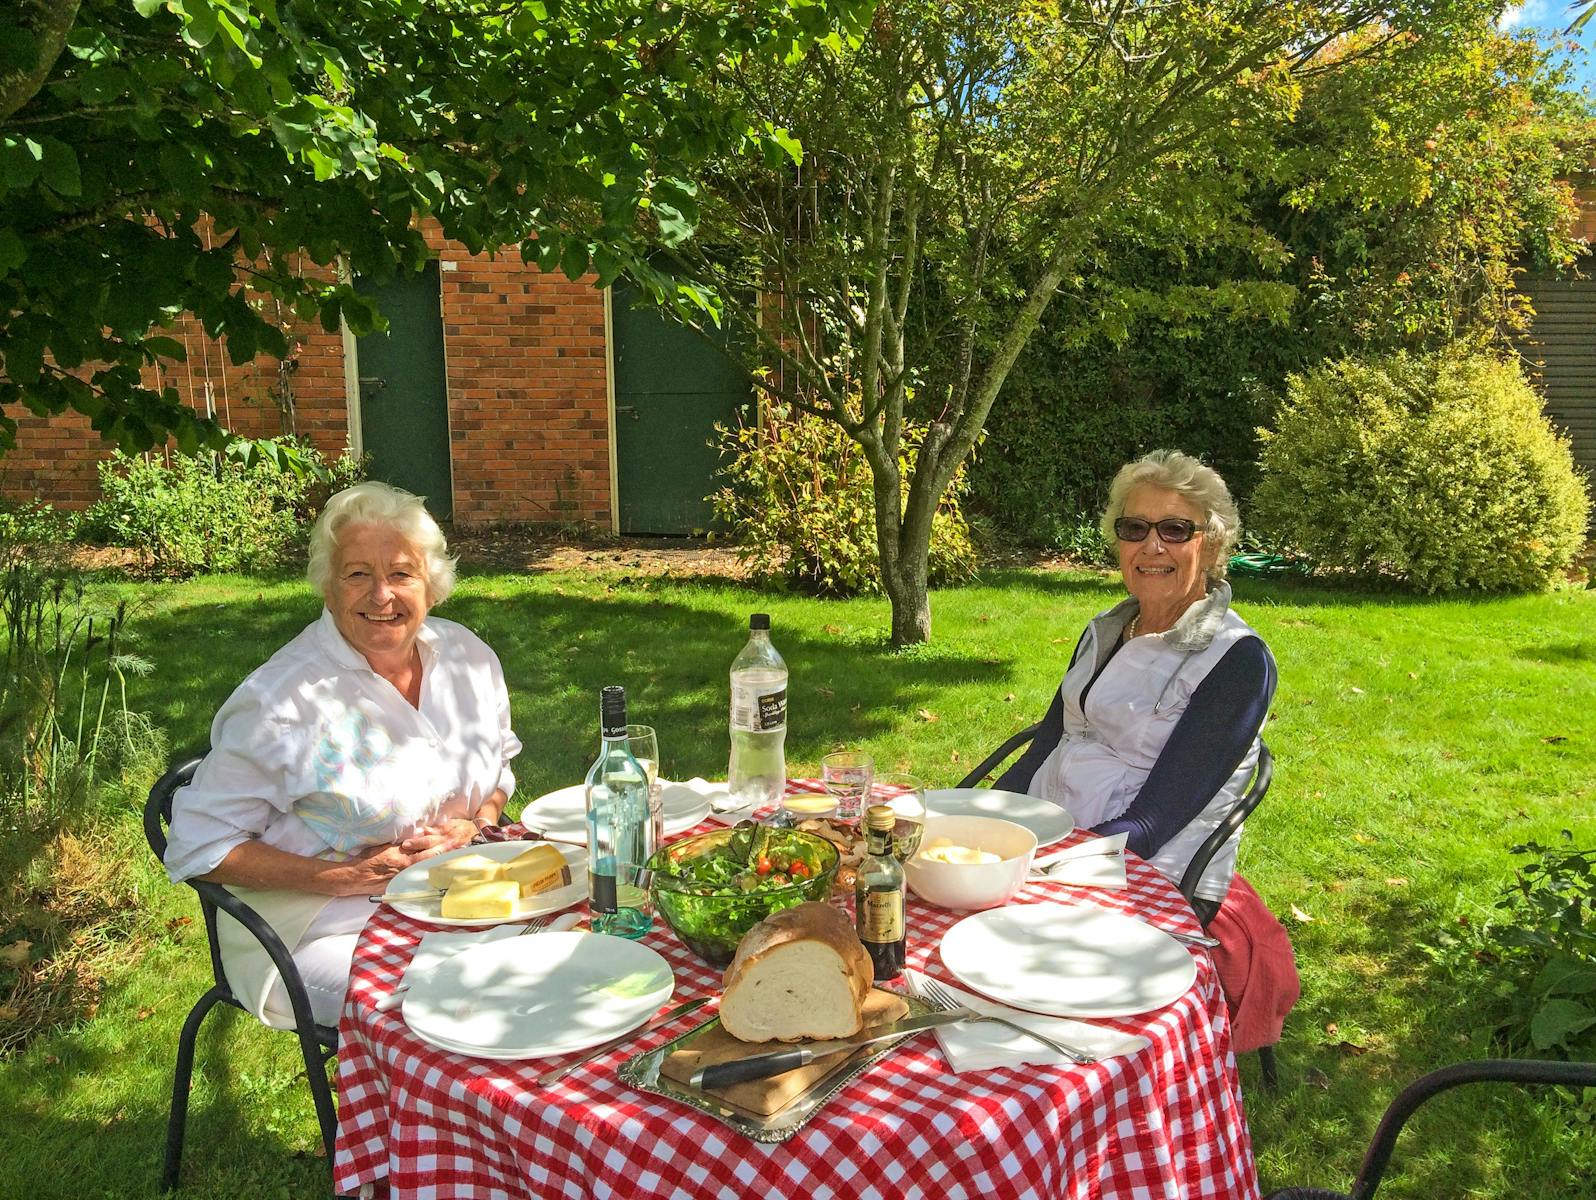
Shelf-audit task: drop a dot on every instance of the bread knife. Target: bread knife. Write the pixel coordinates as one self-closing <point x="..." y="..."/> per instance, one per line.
<point x="763" y="1066"/>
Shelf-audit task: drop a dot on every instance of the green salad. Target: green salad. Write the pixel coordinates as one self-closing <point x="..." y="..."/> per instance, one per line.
<point x="713" y="888"/>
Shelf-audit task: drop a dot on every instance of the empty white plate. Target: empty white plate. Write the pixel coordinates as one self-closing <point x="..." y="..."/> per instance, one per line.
<point x="1069" y="960"/>
<point x="1042" y="817"/>
<point x="531" y="997"/>
<point x="414" y="879"/>
<point x="562" y="815"/>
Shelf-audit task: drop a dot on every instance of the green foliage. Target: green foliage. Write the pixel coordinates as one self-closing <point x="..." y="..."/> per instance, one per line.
<point x="801" y="506"/>
<point x="1538" y="953"/>
<point x="1402" y="232"/>
<point x="214" y="512"/>
<point x="312" y="134"/>
<point x="1438" y="471"/>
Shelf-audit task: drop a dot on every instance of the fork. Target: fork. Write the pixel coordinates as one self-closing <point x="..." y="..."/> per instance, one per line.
<point x="933" y="992"/>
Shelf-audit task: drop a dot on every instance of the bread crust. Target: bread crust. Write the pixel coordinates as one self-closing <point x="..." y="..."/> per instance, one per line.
<point x="812" y="921"/>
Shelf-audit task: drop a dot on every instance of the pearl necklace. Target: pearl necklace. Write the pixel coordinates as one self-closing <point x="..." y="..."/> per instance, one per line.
<point x="1135" y="624"/>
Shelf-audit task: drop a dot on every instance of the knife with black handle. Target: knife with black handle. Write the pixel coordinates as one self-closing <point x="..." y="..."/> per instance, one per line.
<point x="778" y="1062"/>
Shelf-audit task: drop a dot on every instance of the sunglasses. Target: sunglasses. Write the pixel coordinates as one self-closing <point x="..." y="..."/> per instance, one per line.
<point x="1171" y="529"/>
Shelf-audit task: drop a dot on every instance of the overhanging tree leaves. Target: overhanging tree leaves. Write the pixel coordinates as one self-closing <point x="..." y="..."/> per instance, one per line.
<point x="313" y="133"/>
<point x="969" y="160"/>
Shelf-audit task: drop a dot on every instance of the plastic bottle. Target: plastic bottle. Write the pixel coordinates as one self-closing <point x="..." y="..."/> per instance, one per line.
<point x="757" y="773"/>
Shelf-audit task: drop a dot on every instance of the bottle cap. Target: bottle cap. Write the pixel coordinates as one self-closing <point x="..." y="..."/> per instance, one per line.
<point x="880" y="816"/>
<point x="759" y="621"/>
<point x="612" y="710"/>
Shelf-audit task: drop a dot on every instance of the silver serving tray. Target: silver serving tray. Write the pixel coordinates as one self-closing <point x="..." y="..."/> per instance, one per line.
<point x="642" y="1072"/>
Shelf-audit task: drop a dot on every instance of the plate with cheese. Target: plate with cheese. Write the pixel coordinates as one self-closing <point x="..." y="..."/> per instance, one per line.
<point x="490" y="884"/>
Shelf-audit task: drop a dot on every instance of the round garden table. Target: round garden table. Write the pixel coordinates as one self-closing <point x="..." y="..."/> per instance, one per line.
<point x="1163" y="1124"/>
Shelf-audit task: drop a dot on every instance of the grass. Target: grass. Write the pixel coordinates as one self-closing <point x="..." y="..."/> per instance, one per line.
<point x="1416" y="741"/>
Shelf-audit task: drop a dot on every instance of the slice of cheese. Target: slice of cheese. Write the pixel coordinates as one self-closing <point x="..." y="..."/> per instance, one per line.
<point x="538" y="869"/>
<point x="487" y="899"/>
<point x="468" y="868"/>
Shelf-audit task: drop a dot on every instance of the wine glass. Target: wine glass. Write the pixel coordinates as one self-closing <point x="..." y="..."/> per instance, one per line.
<point x="847" y="775"/>
<point x="905" y="795"/>
<point x="643" y="742"/>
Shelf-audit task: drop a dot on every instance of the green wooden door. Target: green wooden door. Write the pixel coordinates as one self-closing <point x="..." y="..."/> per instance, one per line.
<point x="671" y="388"/>
<point x="404" y="399"/>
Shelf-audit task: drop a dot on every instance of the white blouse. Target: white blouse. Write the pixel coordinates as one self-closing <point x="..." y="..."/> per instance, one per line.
<point x="317" y="754"/>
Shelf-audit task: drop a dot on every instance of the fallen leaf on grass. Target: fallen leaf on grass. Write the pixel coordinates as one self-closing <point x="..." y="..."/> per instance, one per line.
<point x="1554" y="740"/>
<point x="177" y="923"/>
<point x="15" y="954"/>
<point x="1413" y="674"/>
<point x="1351" y="1048"/>
<point x="1314" y="1077"/>
<point x="954" y="757"/>
<point x="1299" y="915"/>
<point x="1357" y="691"/>
<point x="144" y="1014"/>
<point x="983" y="619"/>
<point x="926" y="714"/>
<point x="8" y="1012"/>
<point x="1009" y="699"/>
<point x="833" y="630"/>
<point x="826" y="692"/>
<point x="1396" y="881"/>
<point x="1364" y="839"/>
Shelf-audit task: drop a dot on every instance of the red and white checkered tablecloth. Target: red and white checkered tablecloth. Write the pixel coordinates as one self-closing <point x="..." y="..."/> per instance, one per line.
<point x="1165" y="1124"/>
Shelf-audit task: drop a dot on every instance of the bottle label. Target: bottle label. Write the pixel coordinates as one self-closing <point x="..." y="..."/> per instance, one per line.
<point x="601" y="892"/>
<point x="880" y="916"/>
<point x="760" y="712"/>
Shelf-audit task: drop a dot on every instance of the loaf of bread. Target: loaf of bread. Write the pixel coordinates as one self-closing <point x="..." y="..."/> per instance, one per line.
<point x="466" y="868"/>
<point x="800" y="973"/>
<point x="481" y="900"/>
<point x="538" y="869"/>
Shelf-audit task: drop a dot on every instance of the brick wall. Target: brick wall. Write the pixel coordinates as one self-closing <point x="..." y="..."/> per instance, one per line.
<point x="526" y="376"/>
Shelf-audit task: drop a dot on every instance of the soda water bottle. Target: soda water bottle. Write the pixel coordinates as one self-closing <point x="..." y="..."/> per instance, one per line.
<point x="620" y="832"/>
<point x="757" y="774"/>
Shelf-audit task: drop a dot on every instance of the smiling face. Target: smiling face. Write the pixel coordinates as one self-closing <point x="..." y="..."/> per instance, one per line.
<point x="1165" y="576"/>
<point x="378" y="594"/>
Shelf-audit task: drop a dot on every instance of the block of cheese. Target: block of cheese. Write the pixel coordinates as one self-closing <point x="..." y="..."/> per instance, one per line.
<point x="538" y="869"/>
<point x="800" y="973"/>
<point x="468" y="868"/>
<point x="486" y="899"/>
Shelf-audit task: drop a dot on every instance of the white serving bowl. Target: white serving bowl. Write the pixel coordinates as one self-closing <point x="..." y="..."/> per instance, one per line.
<point x="971" y="885"/>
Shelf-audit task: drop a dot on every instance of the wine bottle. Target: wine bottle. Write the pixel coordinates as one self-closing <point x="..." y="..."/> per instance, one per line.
<point x="620" y="834"/>
<point x="878" y="897"/>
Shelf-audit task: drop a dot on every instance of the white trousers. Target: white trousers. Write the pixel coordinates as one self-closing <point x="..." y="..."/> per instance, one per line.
<point x="323" y="957"/>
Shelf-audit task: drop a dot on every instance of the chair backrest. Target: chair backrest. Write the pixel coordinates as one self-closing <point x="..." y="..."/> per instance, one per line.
<point x="214" y="897"/>
<point x="1490" y="1070"/>
<point x="1262" y="774"/>
<point x="996" y="759"/>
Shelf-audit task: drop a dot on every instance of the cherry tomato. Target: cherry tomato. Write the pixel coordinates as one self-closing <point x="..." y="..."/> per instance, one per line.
<point x="800" y="869"/>
<point x="763" y="866"/>
<point x="779" y="879"/>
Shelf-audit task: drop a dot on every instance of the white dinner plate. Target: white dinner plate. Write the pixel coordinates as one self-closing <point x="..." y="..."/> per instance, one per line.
<point x="562" y="815"/>
<point x="531" y="997"/>
<point x="1069" y="960"/>
<point x="414" y="879"/>
<point x="1042" y="817"/>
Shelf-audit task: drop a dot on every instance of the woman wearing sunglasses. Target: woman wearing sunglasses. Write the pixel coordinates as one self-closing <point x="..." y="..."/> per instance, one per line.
<point x="1154" y="730"/>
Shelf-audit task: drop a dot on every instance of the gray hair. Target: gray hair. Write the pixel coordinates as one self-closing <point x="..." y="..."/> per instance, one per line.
<point x="1202" y="485"/>
<point x="381" y="504"/>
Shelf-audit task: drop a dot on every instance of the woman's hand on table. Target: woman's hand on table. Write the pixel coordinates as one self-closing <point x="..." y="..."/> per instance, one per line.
<point x="369" y="875"/>
<point x="448" y="834"/>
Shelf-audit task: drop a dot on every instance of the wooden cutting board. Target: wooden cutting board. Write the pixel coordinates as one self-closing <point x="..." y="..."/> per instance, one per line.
<point x="769" y="1096"/>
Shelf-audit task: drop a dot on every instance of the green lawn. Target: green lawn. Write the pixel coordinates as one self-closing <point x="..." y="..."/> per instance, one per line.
<point x="1415" y="742"/>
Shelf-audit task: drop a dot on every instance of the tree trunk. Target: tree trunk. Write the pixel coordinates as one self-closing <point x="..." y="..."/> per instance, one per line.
<point x="49" y="21"/>
<point x="911" y="606"/>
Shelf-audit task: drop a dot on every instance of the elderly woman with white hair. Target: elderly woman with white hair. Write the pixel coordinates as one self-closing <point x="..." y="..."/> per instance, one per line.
<point x="380" y="736"/>
<point x="1154" y="729"/>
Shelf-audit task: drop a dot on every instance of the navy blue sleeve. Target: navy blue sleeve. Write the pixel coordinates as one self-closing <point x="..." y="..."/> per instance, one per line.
<point x="1018" y="777"/>
<point x="1213" y="735"/>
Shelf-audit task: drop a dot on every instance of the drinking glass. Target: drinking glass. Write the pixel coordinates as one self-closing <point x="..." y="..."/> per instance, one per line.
<point x="847" y="775"/>
<point x="643" y="742"/>
<point x="905" y="795"/>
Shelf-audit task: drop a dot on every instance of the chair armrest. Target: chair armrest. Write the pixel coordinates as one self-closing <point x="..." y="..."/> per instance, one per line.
<point x="996" y="759"/>
<point x="1262" y="774"/>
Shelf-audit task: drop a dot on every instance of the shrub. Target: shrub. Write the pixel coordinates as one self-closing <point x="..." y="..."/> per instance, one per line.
<point x="211" y="513"/>
<point x="801" y="506"/>
<point x="1438" y="471"/>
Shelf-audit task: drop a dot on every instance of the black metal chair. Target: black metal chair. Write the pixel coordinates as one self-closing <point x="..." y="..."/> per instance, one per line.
<point x="1492" y="1070"/>
<point x="1262" y="775"/>
<point x="318" y="1043"/>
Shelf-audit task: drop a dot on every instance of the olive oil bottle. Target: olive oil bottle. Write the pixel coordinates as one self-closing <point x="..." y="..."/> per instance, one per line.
<point x="878" y="896"/>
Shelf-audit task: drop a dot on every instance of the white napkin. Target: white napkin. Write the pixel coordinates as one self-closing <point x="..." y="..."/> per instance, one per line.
<point x="1096" y="862"/>
<point x="982" y="1045"/>
<point x="435" y="949"/>
<point x="715" y="793"/>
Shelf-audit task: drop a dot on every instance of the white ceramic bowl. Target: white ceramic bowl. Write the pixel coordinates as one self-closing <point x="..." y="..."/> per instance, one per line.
<point x="971" y="885"/>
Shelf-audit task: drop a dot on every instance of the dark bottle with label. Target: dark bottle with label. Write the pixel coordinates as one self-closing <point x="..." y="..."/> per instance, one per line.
<point x="878" y="897"/>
